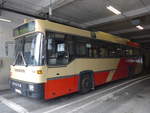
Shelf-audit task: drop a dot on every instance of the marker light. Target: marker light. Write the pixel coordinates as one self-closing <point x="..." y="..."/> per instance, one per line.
<point x="39" y="72"/>
<point x="114" y="10"/>
<point x="139" y="27"/>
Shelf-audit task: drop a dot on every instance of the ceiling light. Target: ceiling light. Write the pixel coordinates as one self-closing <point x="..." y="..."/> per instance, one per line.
<point x="114" y="10"/>
<point x="5" y="20"/>
<point x="139" y="27"/>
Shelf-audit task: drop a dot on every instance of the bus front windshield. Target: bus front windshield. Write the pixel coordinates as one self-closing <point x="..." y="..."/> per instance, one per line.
<point x="28" y="49"/>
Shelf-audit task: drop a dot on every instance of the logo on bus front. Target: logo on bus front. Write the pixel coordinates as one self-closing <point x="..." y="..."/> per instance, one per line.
<point x="20" y="70"/>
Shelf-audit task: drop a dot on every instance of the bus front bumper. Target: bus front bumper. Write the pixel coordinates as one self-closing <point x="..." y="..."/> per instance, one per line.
<point x="27" y="89"/>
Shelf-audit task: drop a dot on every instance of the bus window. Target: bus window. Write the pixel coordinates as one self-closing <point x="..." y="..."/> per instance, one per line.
<point x="95" y="47"/>
<point x="90" y="52"/>
<point x="70" y="48"/>
<point x="103" y="52"/>
<point x="95" y="52"/>
<point x="136" y="52"/>
<point x="81" y="49"/>
<point x="56" y="50"/>
<point x="119" y="51"/>
<point x="112" y="52"/>
<point x="130" y="52"/>
<point x="89" y="49"/>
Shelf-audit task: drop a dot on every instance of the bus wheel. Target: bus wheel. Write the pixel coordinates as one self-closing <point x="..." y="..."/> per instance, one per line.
<point x="131" y="72"/>
<point x="85" y="83"/>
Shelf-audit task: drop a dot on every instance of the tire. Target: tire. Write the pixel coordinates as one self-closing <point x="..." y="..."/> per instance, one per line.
<point x="85" y="83"/>
<point x="131" y="72"/>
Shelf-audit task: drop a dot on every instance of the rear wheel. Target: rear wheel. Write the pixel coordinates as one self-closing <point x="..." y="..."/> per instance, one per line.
<point x="131" y="72"/>
<point x="85" y="83"/>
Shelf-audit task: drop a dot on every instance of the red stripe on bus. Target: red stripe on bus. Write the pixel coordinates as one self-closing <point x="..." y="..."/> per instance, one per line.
<point x="62" y="86"/>
<point x="122" y="69"/>
<point x="100" y="77"/>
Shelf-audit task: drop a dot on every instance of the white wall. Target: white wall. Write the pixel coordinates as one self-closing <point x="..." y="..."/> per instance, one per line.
<point x="6" y="34"/>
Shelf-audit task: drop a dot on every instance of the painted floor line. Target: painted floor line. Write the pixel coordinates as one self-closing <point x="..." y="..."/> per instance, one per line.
<point x="95" y="94"/>
<point x="106" y="97"/>
<point x="13" y="106"/>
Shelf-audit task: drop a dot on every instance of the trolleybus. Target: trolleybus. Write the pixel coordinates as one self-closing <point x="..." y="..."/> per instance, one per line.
<point x="53" y="60"/>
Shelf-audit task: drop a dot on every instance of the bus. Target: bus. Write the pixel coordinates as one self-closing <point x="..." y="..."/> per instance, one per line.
<point x="52" y="60"/>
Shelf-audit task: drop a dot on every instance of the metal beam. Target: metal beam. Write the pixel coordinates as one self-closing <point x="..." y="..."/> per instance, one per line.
<point x="52" y="19"/>
<point x="2" y="2"/>
<point x="60" y="3"/>
<point x="22" y="13"/>
<point x="140" y="37"/>
<point x="54" y="4"/>
<point x="129" y="14"/>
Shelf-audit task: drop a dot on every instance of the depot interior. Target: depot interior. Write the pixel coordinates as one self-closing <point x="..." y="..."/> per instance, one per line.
<point x="126" y="19"/>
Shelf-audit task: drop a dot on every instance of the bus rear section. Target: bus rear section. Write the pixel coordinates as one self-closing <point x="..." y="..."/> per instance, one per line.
<point x="105" y="70"/>
<point x="79" y="64"/>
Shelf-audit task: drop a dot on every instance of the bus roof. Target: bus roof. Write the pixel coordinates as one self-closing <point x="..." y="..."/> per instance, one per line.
<point x="43" y="25"/>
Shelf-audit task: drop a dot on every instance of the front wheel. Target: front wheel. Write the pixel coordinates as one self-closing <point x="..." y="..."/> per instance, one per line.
<point x="85" y="84"/>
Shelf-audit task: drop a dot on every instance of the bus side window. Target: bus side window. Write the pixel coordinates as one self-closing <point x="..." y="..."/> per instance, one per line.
<point x="103" y="52"/>
<point x="119" y="52"/>
<point x="130" y="52"/>
<point x="136" y="52"/>
<point x="90" y="52"/>
<point x="89" y="47"/>
<point x="112" y="51"/>
<point x="124" y="52"/>
<point x="95" y="47"/>
<point x="70" y="47"/>
<point x="81" y="49"/>
<point x="95" y="52"/>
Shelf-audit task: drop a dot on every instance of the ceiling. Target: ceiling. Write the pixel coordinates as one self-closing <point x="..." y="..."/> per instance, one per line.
<point x="89" y="14"/>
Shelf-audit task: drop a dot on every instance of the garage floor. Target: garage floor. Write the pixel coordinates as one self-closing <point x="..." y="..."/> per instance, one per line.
<point x="123" y="96"/>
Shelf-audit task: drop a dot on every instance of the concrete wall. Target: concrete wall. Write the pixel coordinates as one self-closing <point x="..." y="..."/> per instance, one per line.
<point x="6" y="31"/>
<point x="5" y="61"/>
<point x="4" y="73"/>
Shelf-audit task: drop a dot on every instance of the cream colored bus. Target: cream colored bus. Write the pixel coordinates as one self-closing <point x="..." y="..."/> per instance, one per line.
<point x="54" y="60"/>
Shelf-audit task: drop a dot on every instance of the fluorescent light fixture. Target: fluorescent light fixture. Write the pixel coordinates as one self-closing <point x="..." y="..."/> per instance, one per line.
<point x="139" y="27"/>
<point x="5" y="20"/>
<point x="114" y="10"/>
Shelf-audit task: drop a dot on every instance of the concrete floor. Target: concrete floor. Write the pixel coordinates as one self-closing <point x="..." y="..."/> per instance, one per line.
<point x="123" y="96"/>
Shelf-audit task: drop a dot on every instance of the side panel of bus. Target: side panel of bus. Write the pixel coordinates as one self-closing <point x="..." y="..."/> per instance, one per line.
<point x="58" y="86"/>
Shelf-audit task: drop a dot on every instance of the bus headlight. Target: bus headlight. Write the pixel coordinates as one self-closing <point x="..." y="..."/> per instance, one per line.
<point x="31" y="87"/>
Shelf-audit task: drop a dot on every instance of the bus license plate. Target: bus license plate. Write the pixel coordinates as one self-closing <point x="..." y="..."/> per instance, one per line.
<point x="18" y="91"/>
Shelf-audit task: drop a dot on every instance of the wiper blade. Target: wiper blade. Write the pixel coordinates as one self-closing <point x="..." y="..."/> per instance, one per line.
<point x="16" y="59"/>
<point x="21" y="54"/>
<point x="23" y="59"/>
